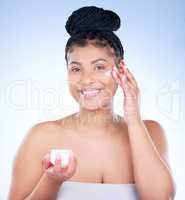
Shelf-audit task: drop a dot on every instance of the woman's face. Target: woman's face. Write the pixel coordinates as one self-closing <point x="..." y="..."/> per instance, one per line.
<point x="89" y="75"/>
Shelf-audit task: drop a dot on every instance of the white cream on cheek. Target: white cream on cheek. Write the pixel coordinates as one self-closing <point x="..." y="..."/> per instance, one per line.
<point x="108" y="73"/>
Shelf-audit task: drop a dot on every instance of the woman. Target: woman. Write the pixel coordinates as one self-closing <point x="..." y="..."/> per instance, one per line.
<point x="122" y="156"/>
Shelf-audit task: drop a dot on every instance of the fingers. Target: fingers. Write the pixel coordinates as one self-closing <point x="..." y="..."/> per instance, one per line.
<point x="46" y="161"/>
<point x="132" y="90"/>
<point x="116" y="75"/>
<point x="123" y="71"/>
<point x="119" y="76"/>
<point x="57" y="166"/>
<point x="122" y="67"/>
<point x="73" y="162"/>
<point x="131" y="77"/>
<point x="126" y="80"/>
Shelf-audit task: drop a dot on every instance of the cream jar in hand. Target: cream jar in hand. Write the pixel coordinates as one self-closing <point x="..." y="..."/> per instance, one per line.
<point x="64" y="155"/>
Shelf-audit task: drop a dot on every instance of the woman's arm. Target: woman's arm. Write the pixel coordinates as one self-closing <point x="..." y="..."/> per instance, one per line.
<point x="28" y="174"/>
<point x="33" y="176"/>
<point x="46" y="189"/>
<point x="152" y="173"/>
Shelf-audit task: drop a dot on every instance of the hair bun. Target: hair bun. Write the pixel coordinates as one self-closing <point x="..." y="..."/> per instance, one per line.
<point x="92" y="18"/>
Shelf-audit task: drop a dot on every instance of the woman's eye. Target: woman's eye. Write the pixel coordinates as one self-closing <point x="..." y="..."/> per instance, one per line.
<point x="75" y="69"/>
<point x="100" y="67"/>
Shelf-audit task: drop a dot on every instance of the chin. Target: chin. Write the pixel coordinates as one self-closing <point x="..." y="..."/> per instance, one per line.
<point x="99" y="102"/>
<point x="92" y="106"/>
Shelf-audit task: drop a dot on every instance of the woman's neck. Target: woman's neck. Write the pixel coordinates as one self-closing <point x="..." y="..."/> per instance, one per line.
<point x="99" y="118"/>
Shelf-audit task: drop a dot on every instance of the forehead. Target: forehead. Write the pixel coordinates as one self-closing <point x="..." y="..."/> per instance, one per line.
<point x="89" y="52"/>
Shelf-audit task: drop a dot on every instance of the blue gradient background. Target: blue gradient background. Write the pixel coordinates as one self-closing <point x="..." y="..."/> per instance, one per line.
<point x="33" y="73"/>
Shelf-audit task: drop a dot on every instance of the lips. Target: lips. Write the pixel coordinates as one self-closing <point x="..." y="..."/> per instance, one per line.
<point x="90" y="92"/>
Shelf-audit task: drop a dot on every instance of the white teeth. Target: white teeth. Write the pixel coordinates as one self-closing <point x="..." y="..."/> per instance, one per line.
<point x="90" y="93"/>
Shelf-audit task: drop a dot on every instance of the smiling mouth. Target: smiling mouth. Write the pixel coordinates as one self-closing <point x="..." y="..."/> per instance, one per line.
<point x="90" y="93"/>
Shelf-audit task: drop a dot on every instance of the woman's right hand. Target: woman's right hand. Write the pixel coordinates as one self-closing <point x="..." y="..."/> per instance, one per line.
<point x="55" y="171"/>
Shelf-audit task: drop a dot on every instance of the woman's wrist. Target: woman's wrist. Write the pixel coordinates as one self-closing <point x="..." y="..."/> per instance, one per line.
<point x="47" y="188"/>
<point x="52" y="180"/>
<point x="133" y="121"/>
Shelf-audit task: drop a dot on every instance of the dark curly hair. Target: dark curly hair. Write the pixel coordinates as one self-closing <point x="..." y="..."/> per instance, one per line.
<point x="96" y="25"/>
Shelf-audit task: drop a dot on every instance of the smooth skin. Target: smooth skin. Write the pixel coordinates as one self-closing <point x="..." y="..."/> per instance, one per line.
<point x="107" y="147"/>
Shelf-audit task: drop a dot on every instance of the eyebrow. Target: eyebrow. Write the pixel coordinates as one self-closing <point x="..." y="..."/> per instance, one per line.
<point x="92" y="62"/>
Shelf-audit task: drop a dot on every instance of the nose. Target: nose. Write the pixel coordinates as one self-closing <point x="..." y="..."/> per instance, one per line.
<point x="87" y="78"/>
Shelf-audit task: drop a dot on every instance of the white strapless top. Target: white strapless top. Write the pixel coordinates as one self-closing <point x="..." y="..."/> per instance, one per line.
<point x="73" y="190"/>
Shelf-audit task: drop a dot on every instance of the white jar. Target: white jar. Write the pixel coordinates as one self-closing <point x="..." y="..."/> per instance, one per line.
<point x="64" y="155"/>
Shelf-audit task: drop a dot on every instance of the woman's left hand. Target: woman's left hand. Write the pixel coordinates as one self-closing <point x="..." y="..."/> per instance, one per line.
<point x="128" y="83"/>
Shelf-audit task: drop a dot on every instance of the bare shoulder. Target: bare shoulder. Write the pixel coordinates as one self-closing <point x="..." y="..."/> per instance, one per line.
<point x="156" y="131"/>
<point x="159" y="138"/>
<point x="49" y="128"/>
<point x="42" y="135"/>
<point x="27" y="166"/>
